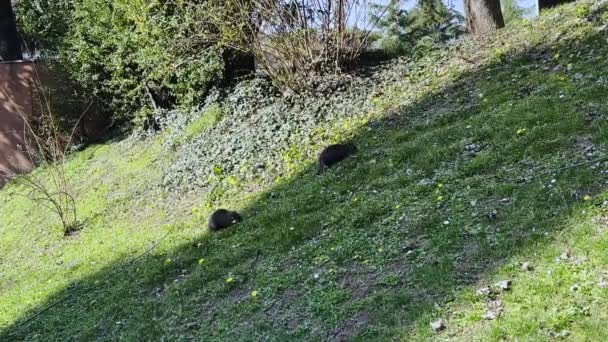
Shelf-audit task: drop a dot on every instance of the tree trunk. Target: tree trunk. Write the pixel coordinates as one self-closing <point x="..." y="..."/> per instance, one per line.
<point x="340" y="17"/>
<point x="10" y="44"/>
<point x="340" y="23"/>
<point x="483" y="16"/>
<point x="543" y="4"/>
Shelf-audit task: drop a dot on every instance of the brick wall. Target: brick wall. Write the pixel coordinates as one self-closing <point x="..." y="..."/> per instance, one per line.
<point x="16" y="101"/>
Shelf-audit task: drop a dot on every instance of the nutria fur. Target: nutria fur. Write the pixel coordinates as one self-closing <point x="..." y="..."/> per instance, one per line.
<point x="333" y="154"/>
<point x="223" y="218"/>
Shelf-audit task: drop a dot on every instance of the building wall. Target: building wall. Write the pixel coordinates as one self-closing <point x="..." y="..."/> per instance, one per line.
<point x="16" y="102"/>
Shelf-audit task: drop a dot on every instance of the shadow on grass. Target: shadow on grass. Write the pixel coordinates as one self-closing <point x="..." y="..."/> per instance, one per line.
<point x="440" y="195"/>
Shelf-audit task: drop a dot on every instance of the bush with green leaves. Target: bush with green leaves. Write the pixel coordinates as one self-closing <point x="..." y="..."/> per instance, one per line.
<point x="296" y="39"/>
<point x="131" y="55"/>
<point x="44" y="21"/>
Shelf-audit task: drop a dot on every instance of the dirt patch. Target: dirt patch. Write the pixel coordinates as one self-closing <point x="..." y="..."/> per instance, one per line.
<point x="360" y="281"/>
<point x="601" y="223"/>
<point x="234" y="297"/>
<point x="212" y="308"/>
<point x="586" y="147"/>
<point x="282" y="303"/>
<point x="351" y="328"/>
<point x="284" y="313"/>
<point x="238" y="295"/>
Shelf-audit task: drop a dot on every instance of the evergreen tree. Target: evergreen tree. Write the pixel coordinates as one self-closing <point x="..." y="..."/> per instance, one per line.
<point x="430" y="22"/>
<point x="392" y="21"/>
<point x="433" y="19"/>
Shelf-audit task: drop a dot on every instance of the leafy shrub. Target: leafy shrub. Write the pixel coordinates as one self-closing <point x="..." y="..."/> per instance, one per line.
<point x="133" y="56"/>
<point x="293" y="40"/>
<point x="44" y="21"/>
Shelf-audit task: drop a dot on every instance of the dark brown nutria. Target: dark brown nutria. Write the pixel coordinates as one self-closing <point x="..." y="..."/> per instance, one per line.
<point x="223" y="218"/>
<point x="333" y="154"/>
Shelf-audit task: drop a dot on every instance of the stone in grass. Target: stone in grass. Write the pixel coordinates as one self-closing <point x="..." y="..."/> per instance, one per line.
<point x="575" y="288"/>
<point x="579" y="261"/>
<point x="484" y="291"/>
<point x="492" y="214"/>
<point x="495" y="308"/>
<point x="566" y="256"/>
<point x="526" y="266"/>
<point x="490" y="315"/>
<point x="603" y="283"/>
<point x="425" y="181"/>
<point x="504" y="285"/>
<point x="438" y="325"/>
<point x="559" y="335"/>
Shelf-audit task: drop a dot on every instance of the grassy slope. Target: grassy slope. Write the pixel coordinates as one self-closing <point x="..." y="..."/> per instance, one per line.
<point x="375" y="249"/>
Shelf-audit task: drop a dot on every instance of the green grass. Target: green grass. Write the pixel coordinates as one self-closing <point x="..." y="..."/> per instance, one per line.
<point x="212" y="115"/>
<point x="375" y="249"/>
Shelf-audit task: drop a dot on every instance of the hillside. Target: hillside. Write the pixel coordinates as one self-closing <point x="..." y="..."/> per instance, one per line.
<point x="483" y="162"/>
